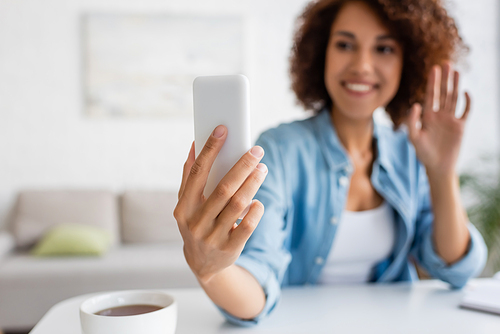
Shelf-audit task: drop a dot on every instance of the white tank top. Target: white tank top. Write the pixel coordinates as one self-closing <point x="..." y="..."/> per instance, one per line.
<point x="363" y="239"/>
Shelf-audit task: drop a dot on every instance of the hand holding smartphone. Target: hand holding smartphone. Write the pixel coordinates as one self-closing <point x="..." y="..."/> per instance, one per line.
<point x="222" y="100"/>
<point x="213" y="237"/>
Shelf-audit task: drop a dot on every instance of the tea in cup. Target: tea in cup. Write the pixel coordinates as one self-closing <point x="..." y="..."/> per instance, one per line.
<point x="129" y="312"/>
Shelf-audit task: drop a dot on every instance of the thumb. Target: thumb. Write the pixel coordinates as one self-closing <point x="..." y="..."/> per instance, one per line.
<point x="413" y="121"/>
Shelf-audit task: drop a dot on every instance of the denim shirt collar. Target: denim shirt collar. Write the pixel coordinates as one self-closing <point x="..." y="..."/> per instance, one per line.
<point x="333" y="150"/>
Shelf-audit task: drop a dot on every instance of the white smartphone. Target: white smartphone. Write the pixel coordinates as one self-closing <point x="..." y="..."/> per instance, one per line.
<point x="222" y="100"/>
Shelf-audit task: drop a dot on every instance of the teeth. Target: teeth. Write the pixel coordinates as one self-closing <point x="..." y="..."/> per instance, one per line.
<point x="358" y="87"/>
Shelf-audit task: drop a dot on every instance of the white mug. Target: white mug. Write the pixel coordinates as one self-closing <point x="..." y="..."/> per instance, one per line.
<point x="162" y="321"/>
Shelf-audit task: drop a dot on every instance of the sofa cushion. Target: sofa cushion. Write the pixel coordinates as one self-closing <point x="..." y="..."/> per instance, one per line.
<point x="147" y="216"/>
<point x="38" y="211"/>
<point x="73" y="239"/>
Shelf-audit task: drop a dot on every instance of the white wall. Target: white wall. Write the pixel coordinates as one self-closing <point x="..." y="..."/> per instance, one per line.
<point x="479" y="24"/>
<point x="47" y="141"/>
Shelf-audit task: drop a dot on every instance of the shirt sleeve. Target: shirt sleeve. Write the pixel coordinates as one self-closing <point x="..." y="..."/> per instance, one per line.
<point x="265" y="255"/>
<point x="458" y="273"/>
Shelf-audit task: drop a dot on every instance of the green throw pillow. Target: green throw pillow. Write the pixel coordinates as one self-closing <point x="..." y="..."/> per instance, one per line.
<point x="73" y="239"/>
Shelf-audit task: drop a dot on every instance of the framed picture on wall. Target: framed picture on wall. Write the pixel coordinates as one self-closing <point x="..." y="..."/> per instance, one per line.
<point x="144" y="65"/>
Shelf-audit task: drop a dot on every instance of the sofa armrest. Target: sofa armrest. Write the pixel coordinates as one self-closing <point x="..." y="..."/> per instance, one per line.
<point x="7" y="244"/>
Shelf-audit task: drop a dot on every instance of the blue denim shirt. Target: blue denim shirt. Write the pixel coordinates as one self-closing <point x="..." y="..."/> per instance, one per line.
<point x="305" y="193"/>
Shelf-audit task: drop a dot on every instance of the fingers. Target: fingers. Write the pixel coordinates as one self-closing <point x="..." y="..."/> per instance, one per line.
<point x="187" y="167"/>
<point x="445" y="95"/>
<point x="454" y="95"/>
<point x="413" y="121"/>
<point x="467" y="107"/>
<point x="451" y="97"/>
<point x="430" y="93"/>
<point x="241" y="199"/>
<point x="198" y="172"/>
<point x="440" y="87"/>
<point x="240" y="234"/>
<point x="232" y="181"/>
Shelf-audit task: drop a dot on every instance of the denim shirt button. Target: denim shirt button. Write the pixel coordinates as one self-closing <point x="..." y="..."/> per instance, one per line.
<point x="334" y="220"/>
<point x="348" y="169"/>
<point x="319" y="260"/>
<point x="344" y="181"/>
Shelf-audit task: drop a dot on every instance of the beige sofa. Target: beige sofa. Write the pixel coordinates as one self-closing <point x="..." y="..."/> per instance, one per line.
<point x="146" y="252"/>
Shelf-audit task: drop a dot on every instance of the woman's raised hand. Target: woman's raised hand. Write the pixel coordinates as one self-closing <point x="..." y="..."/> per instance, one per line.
<point x="437" y="141"/>
<point x="212" y="240"/>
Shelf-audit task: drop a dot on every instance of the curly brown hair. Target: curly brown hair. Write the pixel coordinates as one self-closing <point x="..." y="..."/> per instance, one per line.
<point x="423" y="28"/>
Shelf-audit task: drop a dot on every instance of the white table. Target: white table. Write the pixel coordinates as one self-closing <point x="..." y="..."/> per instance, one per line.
<point x="424" y="307"/>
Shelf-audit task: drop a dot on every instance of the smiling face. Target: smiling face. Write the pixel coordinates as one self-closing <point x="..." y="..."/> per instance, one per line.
<point x="363" y="62"/>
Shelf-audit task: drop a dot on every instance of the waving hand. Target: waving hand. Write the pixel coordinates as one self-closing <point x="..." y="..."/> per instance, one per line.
<point x="437" y="141"/>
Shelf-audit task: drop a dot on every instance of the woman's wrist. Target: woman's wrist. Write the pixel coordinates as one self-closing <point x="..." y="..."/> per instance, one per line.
<point x="442" y="178"/>
<point x="207" y="278"/>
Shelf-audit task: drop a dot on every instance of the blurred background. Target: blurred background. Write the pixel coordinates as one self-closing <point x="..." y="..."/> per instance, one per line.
<point x="58" y="128"/>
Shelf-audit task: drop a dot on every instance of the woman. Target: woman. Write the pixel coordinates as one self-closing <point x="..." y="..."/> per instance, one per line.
<point x="346" y="199"/>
